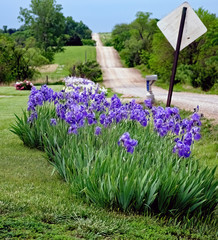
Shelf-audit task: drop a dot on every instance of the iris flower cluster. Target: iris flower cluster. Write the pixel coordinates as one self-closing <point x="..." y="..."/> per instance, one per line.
<point x="127" y="142"/>
<point x="72" y="82"/>
<point x="80" y="107"/>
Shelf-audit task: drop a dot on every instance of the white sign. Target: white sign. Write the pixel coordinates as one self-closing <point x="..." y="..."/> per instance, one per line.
<point x="193" y="27"/>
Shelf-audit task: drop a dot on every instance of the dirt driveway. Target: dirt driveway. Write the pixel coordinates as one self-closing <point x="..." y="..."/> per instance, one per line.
<point x="129" y="81"/>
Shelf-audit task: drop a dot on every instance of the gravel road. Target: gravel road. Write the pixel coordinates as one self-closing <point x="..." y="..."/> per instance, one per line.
<point x="128" y="81"/>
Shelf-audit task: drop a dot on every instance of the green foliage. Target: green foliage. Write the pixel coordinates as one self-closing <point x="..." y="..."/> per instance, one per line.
<point x="83" y="31"/>
<point x="106" y="39"/>
<point x="152" y="179"/>
<point x="51" y="29"/>
<point x="88" y="42"/>
<point x="18" y="61"/>
<point x="134" y="40"/>
<point x="89" y="69"/>
<point x="131" y="53"/>
<point x="77" y="32"/>
<point x="6" y="50"/>
<point x="198" y="62"/>
<point x="46" y="22"/>
<point x="161" y="57"/>
<point x="141" y="42"/>
<point x="6" y="30"/>
<point x="184" y="74"/>
<point x="37" y="205"/>
<point x="201" y="55"/>
<point x="120" y="34"/>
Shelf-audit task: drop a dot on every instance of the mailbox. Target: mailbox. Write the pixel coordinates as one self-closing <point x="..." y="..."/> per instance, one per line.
<point x="150" y="79"/>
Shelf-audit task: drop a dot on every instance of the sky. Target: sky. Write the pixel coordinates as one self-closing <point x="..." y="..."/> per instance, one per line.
<point x="103" y="15"/>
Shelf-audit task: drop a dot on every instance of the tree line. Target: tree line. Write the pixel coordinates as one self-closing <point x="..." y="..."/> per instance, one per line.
<point x="44" y="32"/>
<point x="142" y="43"/>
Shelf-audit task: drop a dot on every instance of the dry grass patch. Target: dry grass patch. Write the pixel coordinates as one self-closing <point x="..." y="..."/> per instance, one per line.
<point x="48" y="68"/>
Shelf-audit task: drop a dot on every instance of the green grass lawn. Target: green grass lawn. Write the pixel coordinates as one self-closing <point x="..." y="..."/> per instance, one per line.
<point x="67" y="58"/>
<point x="37" y="204"/>
<point x="75" y="54"/>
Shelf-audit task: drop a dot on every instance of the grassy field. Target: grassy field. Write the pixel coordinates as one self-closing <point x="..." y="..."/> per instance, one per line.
<point x="37" y="204"/>
<point x="66" y="59"/>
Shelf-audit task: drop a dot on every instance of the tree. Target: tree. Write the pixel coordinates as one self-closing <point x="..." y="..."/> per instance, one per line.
<point x="120" y="34"/>
<point x="134" y="40"/>
<point x="72" y="38"/>
<point x="83" y="31"/>
<point x="70" y="26"/>
<point x="18" y="61"/>
<point x="5" y="29"/>
<point x="205" y="67"/>
<point x="140" y="26"/>
<point x="161" y="58"/>
<point x="47" y="23"/>
<point x="75" y="32"/>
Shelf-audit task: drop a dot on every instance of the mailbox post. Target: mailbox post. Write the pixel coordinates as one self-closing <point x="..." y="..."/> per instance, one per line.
<point x="150" y="79"/>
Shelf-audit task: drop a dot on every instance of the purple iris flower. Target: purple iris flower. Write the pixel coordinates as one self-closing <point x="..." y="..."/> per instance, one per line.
<point x="32" y="117"/>
<point x="81" y="107"/>
<point x="127" y="142"/>
<point x="148" y="103"/>
<point x="73" y="129"/>
<point x="97" y="130"/>
<point x="182" y="149"/>
<point x="196" y="133"/>
<point x="53" y="122"/>
<point x="188" y="139"/>
<point x="102" y="118"/>
<point x="196" y="118"/>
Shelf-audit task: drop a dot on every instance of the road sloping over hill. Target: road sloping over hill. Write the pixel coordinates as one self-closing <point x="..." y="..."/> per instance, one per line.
<point x="128" y="81"/>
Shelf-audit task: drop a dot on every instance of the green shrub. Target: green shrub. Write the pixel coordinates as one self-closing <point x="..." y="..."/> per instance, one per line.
<point x="184" y="74"/>
<point x="90" y="70"/>
<point x="205" y="77"/>
<point x="88" y="42"/>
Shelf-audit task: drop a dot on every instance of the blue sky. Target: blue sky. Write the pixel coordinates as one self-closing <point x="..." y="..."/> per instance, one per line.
<point x="103" y="15"/>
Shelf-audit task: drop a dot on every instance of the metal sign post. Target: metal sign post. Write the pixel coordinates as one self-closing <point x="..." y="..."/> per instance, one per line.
<point x="180" y="31"/>
<point x="176" y="56"/>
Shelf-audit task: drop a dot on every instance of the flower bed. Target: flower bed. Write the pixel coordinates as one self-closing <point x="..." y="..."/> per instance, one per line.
<point x="124" y="156"/>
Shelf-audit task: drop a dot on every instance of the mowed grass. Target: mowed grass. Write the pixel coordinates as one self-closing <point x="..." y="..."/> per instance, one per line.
<point x="67" y="58"/>
<point x="36" y="204"/>
<point x="75" y="54"/>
